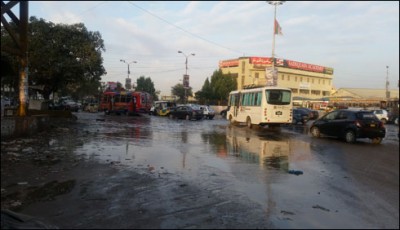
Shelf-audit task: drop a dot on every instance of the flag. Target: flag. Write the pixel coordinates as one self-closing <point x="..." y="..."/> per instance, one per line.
<point x="277" y="28"/>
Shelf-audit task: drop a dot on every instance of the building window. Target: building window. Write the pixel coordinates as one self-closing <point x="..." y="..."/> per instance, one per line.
<point x="283" y="77"/>
<point x="243" y="66"/>
<point x="325" y="93"/>
<point x="308" y="79"/>
<point x="301" y="79"/>
<point x="304" y="91"/>
<point x="288" y="77"/>
<point x="294" y="90"/>
<point x="319" y="81"/>
<point x="295" y="78"/>
<point x="323" y="82"/>
<point x="315" y="92"/>
<point x="257" y="74"/>
<point x="312" y="80"/>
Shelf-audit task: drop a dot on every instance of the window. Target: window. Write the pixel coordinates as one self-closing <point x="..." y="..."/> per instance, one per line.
<point x="288" y="77"/>
<point x="257" y="75"/>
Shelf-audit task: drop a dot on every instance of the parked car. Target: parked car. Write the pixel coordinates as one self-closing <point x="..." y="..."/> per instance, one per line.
<point x="300" y="115"/>
<point x="188" y="112"/>
<point x="350" y="125"/>
<point x="312" y="114"/>
<point x="224" y="112"/>
<point x="70" y="105"/>
<point x="382" y="115"/>
<point x="208" y="112"/>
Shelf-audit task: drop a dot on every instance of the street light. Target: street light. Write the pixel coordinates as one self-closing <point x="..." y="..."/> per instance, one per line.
<point x="275" y="4"/>
<point x="186" y="75"/>
<point x="128" y="65"/>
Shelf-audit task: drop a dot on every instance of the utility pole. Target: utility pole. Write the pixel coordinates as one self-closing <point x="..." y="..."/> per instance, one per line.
<point x="186" y="76"/>
<point x="273" y="78"/>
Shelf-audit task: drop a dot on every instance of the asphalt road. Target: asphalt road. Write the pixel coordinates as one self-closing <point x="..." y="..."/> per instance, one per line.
<point x="156" y="172"/>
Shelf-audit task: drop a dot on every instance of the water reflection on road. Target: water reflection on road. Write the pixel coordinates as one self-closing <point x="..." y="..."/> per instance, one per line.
<point x="239" y="163"/>
<point x="177" y="145"/>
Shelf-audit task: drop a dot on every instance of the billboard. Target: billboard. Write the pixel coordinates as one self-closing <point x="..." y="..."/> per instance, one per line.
<point x="271" y="74"/>
<point x="185" y="81"/>
<point x="128" y="83"/>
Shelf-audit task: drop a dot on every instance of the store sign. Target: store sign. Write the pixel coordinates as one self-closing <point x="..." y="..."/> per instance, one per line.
<point x="304" y="85"/>
<point x="229" y="63"/>
<point x="260" y="61"/>
<point x="305" y="66"/>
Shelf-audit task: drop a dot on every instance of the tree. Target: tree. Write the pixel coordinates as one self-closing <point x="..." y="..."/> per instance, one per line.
<point x="63" y="58"/>
<point x="179" y="90"/>
<point x="217" y="90"/>
<point x="146" y="85"/>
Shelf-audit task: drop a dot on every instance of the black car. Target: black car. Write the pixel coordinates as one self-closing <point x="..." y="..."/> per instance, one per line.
<point x="350" y="125"/>
<point x="300" y="115"/>
<point x="224" y="112"/>
<point x="188" y="112"/>
<point x="312" y="114"/>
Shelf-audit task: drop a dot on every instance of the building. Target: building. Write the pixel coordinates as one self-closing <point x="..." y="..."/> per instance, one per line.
<point x="361" y="97"/>
<point x="307" y="81"/>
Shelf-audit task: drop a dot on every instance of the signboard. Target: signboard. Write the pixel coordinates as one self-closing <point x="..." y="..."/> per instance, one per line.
<point x="271" y="74"/>
<point x="128" y="83"/>
<point x="229" y="63"/>
<point x="185" y="81"/>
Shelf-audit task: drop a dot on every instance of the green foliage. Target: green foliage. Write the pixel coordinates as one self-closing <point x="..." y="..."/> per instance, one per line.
<point x="179" y="90"/>
<point x="217" y="90"/>
<point x="146" y="84"/>
<point x="64" y="58"/>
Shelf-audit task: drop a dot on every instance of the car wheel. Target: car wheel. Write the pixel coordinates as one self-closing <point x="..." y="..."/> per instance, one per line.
<point x="315" y="132"/>
<point x="376" y="140"/>
<point x="350" y="136"/>
<point x="248" y="123"/>
<point x="231" y="121"/>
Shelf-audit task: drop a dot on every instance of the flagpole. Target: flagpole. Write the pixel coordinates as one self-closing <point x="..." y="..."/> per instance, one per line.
<point x="275" y="4"/>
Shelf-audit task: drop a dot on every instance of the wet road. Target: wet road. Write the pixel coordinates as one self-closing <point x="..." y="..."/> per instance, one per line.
<point x="342" y="185"/>
<point x="213" y="175"/>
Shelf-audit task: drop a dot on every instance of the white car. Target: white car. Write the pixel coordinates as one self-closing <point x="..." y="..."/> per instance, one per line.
<point x="382" y="115"/>
<point x="208" y="112"/>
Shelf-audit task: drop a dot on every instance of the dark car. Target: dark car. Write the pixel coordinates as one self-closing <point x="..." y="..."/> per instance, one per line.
<point x="188" y="112"/>
<point x="224" y="112"/>
<point x="312" y="114"/>
<point x="300" y="115"/>
<point x="350" y="125"/>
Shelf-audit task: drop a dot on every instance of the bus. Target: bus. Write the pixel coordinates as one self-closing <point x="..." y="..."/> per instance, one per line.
<point x="125" y="102"/>
<point x="262" y="106"/>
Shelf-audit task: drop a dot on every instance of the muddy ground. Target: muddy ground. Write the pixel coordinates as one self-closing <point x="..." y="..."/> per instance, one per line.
<point x="41" y="177"/>
<point x="153" y="172"/>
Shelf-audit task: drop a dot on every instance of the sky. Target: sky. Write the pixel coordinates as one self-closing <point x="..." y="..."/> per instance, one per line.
<point x="359" y="40"/>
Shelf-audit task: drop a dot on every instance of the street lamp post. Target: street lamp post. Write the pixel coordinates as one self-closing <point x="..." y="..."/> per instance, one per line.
<point x="275" y="4"/>
<point x="128" y="70"/>
<point x="273" y="72"/>
<point x="186" y="66"/>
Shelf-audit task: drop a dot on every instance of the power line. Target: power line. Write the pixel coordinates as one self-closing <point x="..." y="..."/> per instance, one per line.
<point x="184" y="30"/>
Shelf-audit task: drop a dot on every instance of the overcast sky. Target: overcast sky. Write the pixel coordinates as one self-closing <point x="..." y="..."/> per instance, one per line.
<point x="357" y="39"/>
